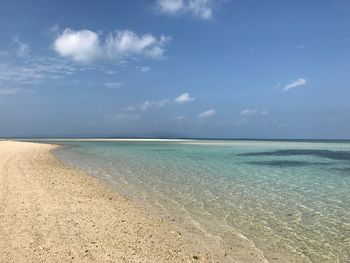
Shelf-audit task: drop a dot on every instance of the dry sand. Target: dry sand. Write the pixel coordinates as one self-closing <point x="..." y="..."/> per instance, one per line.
<point x="53" y="213"/>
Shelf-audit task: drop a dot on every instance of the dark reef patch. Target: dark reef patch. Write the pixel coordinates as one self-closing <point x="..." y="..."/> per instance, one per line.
<point x="329" y="154"/>
<point x="342" y="169"/>
<point x="285" y="163"/>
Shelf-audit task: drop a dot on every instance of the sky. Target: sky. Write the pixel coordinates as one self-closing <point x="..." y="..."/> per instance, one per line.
<point x="193" y="68"/>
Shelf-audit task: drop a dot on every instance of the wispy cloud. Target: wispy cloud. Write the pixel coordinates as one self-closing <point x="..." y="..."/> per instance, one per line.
<point x="130" y="108"/>
<point x="34" y="71"/>
<point x="295" y="84"/>
<point x="88" y="46"/>
<point x="114" y="85"/>
<point x="54" y="28"/>
<point x="4" y="54"/>
<point x="10" y="91"/>
<point x="199" y="8"/>
<point x="252" y="112"/>
<point x="248" y="112"/>
<point x="207" y="114"/>
<point x="170" y="6"/>
<point x="150" y="104"/>
<point x="184" y="98"/>
<point x="182" y="118"/>
<point x="277" y="86"/>
<point x="126" y="43"/>
<point x="144" y="68"/>
<point x="111" y="72"/>
<point x="23" y="49"/>
<point x="125" y="117"/>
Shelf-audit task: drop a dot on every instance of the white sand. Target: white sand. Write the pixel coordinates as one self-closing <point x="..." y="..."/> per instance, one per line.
<point x="52" y="213"/>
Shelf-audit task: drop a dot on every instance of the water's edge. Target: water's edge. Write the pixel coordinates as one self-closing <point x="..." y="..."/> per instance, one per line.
<point x="281" y="202"/>
<point x="185" y="222"/>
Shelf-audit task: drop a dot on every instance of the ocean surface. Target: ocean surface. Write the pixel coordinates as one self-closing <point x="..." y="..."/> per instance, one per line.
<point x="282" y="200"/>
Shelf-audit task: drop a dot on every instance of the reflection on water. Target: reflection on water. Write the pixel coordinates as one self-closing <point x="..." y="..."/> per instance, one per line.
<point x="287" y="202"/>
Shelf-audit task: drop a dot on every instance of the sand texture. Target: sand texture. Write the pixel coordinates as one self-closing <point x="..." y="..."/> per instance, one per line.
<point x="53" y="213"/>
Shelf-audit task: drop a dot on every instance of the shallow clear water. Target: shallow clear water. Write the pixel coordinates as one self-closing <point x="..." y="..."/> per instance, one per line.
<point x="287" y="201"/>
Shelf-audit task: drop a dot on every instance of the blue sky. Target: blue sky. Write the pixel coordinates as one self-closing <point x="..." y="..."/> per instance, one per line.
<point x="204" y="68"/>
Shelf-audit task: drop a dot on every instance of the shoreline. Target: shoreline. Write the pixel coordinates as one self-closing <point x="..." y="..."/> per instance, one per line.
<point x="54" y="213"/>
<point x="238" y="248"/>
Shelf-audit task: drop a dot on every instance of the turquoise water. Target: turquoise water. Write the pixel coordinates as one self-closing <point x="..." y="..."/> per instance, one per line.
<point x="283" y="201"/>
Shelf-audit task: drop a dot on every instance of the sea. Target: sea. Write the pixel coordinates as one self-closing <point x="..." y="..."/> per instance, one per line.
<point x="284" y="201"/>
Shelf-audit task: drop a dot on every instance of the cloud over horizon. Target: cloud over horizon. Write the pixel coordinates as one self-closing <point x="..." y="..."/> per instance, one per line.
<point x="87" y="46"/>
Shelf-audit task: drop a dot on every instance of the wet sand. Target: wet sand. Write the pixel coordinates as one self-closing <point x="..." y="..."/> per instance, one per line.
<point x="53" y="213"/>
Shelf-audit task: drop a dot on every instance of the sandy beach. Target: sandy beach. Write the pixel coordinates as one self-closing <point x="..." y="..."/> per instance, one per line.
<point x="53" y="213"/>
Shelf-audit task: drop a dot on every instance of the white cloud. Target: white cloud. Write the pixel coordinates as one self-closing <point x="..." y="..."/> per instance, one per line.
<point x="248" y="112"/>
<point x="199" y="8"/>
<point x="113" y="85"/>
<point x="149" y="104"/>
<point x="82" y="45"/>
<point x="298" y="83"/>
<point x="144" y="68"/>
<point x="184" y="98"/>
<point x="23" y="49"/>
<point x="171" y="6"/>
<point x="126" y="43"/>
<point x="252" y="112"/>
<point x="87" y="46"/>
<point x="207" y="114"/>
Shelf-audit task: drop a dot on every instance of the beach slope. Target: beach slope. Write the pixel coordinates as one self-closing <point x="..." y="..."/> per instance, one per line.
<point x="52" y="213"/>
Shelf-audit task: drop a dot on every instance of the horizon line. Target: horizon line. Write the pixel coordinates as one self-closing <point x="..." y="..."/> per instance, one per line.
<point x="163" y="138"/>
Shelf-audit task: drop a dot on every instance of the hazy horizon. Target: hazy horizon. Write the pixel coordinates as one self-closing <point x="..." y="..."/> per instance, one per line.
<point x="175" y="68"/>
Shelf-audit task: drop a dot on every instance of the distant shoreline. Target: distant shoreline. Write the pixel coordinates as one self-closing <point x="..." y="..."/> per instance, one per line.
<point x="161" y="139"/>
